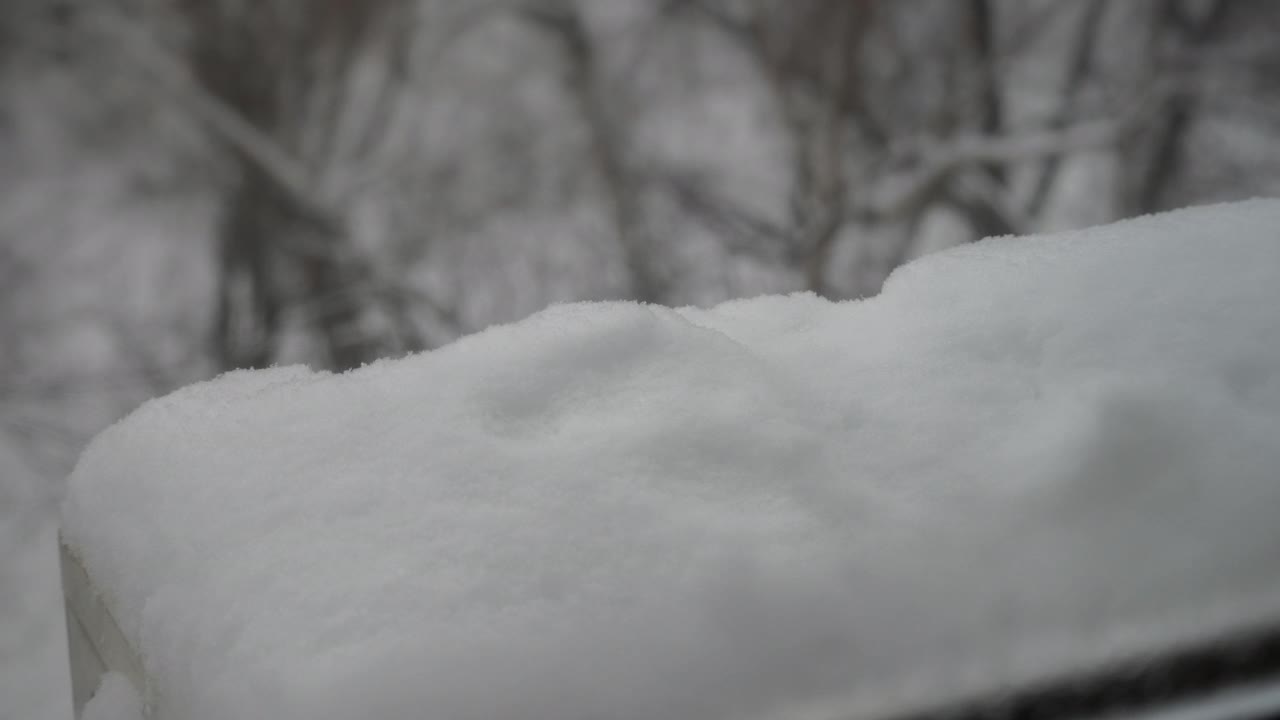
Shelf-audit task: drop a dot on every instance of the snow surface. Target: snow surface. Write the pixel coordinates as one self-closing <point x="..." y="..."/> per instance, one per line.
<point x="1025" y="455"/>
<point x="115" y="699"/>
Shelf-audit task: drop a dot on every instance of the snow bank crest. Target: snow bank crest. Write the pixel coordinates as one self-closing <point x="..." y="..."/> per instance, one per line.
<point x="1025" y="455"/>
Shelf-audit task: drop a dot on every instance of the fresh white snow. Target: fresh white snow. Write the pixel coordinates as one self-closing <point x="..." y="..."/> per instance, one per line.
<point x="115" y="699"/>
<point x="1024" y="455"/>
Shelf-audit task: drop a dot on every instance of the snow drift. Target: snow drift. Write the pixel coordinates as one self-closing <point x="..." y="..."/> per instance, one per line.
<point x="1025" y="455"/>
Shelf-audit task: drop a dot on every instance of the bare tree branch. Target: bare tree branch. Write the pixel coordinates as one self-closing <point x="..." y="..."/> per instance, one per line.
<point x="562" y="22"/>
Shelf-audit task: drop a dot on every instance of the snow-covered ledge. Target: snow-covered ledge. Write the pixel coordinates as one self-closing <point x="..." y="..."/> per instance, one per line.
<point x="97" y="646"/>
<point x="1025" y="459"/>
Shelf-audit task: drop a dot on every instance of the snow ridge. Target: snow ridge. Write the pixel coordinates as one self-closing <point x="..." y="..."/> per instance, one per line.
<point x="1024" y="455"/>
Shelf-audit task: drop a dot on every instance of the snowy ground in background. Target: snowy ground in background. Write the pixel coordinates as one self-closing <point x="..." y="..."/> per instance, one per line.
<point x="34" y="676"/>
<point x="1040" y="452"/>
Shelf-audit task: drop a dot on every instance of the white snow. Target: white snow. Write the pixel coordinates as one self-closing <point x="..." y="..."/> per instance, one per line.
<point x="116" y="699"/>
<point x="1024" y="455"/>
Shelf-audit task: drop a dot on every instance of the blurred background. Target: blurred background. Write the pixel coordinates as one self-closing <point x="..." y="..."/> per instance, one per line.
<point x="191" y="186"/>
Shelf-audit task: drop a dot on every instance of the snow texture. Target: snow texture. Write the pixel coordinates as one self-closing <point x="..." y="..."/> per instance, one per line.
<point x="116" y="699"/>
<point x="1024" y="456"/>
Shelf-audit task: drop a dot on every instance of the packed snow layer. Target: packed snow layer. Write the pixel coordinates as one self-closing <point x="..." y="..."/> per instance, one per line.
<point x="1024" y="456"/>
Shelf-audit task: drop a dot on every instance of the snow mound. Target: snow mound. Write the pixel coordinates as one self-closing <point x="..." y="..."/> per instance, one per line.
<point x="1025" y="455"/>
<point x="115" y="699"/>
